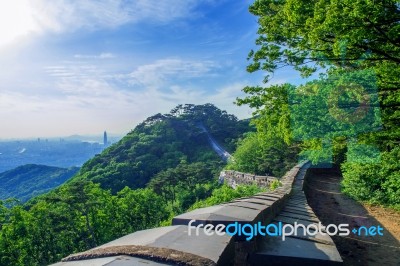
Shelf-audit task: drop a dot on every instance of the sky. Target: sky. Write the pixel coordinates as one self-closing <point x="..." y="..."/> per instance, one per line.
<point x="82" y="67"/>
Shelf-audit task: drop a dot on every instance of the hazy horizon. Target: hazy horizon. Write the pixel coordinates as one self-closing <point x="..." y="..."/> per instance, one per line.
<point x="66" y="137"/>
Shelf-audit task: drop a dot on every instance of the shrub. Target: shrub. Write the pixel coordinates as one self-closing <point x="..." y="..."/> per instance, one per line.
<point x="374" y="182"/>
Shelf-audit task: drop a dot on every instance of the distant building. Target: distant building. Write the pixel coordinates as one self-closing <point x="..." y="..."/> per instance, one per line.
<point x="105" y="138"/>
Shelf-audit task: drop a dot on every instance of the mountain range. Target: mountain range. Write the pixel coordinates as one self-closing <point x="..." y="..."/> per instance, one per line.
<point x="27" y="181"/>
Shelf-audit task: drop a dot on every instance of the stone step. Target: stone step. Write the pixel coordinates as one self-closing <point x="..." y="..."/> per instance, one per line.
<point x="300" y="216"/>
<point x="242" y="212"/>
<point x="293" y="251"/>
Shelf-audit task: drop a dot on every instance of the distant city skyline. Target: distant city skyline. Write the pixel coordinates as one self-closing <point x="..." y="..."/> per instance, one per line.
<point x="78" y="67"/>
<point x="105" y="140"/>
<point x="83" y="137"/>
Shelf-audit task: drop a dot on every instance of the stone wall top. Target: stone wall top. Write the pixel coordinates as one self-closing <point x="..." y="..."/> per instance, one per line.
<point x="234" y="178"/>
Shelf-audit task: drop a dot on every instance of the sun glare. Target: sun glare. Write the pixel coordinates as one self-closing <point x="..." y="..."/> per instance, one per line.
<point x="15" y="20"/>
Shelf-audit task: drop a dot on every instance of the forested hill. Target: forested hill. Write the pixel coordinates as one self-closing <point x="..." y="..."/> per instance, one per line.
<point x="160" y="169"/>
<point x="161" y="142"/>
<point x="30" y="180"/>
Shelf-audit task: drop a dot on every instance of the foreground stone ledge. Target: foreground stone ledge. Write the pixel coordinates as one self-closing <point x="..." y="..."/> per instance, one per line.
<point x="169" y="245"/>
<point x="118" y="260"/>
<point x="163" y="255"/>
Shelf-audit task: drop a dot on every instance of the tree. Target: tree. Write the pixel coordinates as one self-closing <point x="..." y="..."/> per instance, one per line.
<point x="297" y="32"/>
<point x="273" y="143"/>
<point x="180" y="185"/>
<point x="138" y="209"/>
<point x="344" y="34"/>
<point x="354" y="105"/>
<point x="247" y="156"/>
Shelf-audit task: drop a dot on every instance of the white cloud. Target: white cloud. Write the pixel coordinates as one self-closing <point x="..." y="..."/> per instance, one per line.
<point x="162" y="72"/>
<point x="23" y="17"/>
<point x="225" y="96"/>
<point x="15" y="20"/>
<point x="73" y="71"/>
<point x="100" y="56"/>
<point x="66" y="15"/>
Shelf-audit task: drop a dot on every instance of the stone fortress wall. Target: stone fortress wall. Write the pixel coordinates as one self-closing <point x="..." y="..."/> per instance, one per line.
<point x="234" y="178"/>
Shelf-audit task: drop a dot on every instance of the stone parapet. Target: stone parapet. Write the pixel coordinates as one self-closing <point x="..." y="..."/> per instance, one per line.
<point x="234" y="178"/>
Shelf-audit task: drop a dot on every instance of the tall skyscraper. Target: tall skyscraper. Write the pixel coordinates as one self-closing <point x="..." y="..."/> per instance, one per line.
<point x="105" y="138"/>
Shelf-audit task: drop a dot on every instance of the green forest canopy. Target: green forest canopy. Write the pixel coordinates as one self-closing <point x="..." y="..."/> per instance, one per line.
<point x="30" y="180"/>
<point x="350" y="115"/>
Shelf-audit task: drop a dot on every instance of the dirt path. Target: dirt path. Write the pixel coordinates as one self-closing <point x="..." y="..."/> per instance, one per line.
<point x="332" y="207"/>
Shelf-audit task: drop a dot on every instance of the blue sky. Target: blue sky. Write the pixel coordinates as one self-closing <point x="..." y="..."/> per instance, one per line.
<point x="81" y="67"/>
